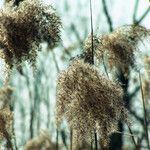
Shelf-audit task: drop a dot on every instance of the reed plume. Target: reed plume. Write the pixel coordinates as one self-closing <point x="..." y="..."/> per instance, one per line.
<point x="119" y="46"/>
<point x="89" y="101"/>
<point x="23" y="28"/>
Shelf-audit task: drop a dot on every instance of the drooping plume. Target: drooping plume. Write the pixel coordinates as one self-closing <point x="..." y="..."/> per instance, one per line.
<point x="89" y="101"/>
<point x="23" y="28"/>
<point x="120" y="45"/>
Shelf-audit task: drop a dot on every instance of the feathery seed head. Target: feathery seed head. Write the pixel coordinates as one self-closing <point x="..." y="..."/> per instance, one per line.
<point x="23" y="28"/>
<point x="121" y="45"/>
<point x="89" y="101"/>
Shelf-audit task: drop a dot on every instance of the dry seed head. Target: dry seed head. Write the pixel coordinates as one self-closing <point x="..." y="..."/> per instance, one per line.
<point x="121" y="45"/>
<point x="41" y="142"/>
<point x="23" y="28"/>
<point x="89" y="101"/>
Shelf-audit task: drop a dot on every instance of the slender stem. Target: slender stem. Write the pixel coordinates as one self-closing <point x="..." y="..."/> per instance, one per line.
<point x="145" y="114"/>
<point x="109" y="20"/>
<point x="135" y="10"/>
<point x="92" y="61"/>
<point x="133" y="139"/>
<point x="96" y="144"/>
<point x="55" y="61"/>
<point x="57" y="135"/>
<point x="71" y="135"/>
<point x="91" y="144"/>
<point x="143" y="16"/>
<point x="91" y="16"/>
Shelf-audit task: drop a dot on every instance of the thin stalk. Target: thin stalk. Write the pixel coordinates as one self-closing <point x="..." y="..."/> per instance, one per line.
<point x="91" y="17"/>
<point x="55" y="62"/>
<point x="96" y="144"/>
<point x="91" y="144"/>
<point x="135" y="10"/>
<point x="132" y="136"/>
<point x="92" y="61"/>
<point x="109" y="20"/>
<point x="143" y="16"/>
<point x="71" y="136"/>
<point x="57" y="135"/>
<point x="145" y="114"/>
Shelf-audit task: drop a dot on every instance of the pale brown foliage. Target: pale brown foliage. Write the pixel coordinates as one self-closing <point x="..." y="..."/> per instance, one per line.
<point x="89" y="101"/>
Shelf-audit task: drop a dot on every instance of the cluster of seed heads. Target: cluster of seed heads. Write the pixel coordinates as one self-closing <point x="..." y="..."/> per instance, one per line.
<point x="23" y="28"/>
<point x="89" y="101"/>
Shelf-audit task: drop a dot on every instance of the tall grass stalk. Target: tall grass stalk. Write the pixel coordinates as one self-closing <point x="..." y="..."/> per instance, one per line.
<point x="57" y="139"/>
<point x="92" y="61"/>
<point x="96" y="143"/>
<point x="145" y="113"/>
<point x="132" y="136"/>
<point x="71" y="137"/>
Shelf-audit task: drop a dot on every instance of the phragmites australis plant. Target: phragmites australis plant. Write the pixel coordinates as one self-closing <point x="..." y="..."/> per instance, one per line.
<point x="122" y="44"/>
<point x="23" y="28"/>
<point x="6" y="116"/>
<point x="89" y="101"/>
